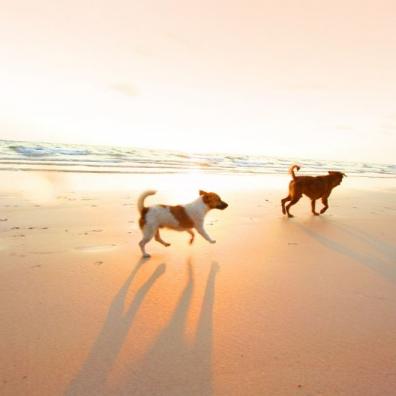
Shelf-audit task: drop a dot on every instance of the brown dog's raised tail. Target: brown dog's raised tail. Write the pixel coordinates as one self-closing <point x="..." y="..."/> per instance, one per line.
<point x="291" y="170"/>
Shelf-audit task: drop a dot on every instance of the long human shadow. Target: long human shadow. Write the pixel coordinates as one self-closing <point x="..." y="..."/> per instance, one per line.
<point x="172" y="366"/>
<point x="91" y="379"/>
<point x="384" y="268"/>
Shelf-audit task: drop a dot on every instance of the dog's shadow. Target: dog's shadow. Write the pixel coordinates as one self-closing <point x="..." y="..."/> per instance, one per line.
<point x="380" y="246"/>
<point x="381" y="259"/>
<point x="91" y="379"/>
<point x="172" y="365"/>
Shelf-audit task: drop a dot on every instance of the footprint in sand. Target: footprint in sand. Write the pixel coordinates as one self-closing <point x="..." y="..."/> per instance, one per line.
<point x="4" y="219"/>
<point x="96" y="248"/>
<point x="45" y="252"/>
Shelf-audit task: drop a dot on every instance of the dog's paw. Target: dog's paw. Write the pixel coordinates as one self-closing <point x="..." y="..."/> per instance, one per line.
<point x="191" y="241"/>
<point x="167" y="244"/>
<point x="212" y="241"/>
<point x="146" y="255"/>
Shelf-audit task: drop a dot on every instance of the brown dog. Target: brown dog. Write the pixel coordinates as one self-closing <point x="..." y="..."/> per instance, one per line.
<point x="314" y="187"/>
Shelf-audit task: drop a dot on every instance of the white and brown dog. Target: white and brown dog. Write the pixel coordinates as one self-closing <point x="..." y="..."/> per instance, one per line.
<point x="179" y="217"/>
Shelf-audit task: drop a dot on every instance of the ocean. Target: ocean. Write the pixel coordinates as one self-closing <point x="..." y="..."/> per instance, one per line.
<point x="37" y="156"/>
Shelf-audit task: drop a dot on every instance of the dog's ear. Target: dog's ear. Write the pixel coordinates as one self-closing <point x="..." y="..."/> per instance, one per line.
<point x="202" y="192"/>
<point x="337" y="173"/>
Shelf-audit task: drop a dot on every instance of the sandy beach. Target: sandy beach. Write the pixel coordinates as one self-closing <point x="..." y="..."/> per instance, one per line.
<point x="278" y="306"/>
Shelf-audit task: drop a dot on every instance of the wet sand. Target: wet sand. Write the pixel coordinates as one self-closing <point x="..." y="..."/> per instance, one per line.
<point x="276" y="307"/>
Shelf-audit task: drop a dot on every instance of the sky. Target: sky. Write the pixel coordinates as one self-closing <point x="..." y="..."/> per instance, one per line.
<point x="306" y="79"/>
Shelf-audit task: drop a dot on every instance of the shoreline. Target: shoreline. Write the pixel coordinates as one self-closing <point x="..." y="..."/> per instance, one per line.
<point x="47" y="157"/>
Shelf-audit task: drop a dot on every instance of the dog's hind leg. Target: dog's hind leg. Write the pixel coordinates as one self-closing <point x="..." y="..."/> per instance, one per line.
<point x="325" y="203"/>
<point x="192" y="235"/>
<point x="313" y="201"/>
<point x="284" y="200"/>
<point x="291" y="203"/>
<point x="148" y="233"/>
<point x="160" y="240"/>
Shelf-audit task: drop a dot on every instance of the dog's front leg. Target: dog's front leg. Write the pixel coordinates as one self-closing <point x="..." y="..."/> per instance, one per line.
<point x="313" y="201"/>
<point x="325" y="203"/>
<point x="201" y="230"/>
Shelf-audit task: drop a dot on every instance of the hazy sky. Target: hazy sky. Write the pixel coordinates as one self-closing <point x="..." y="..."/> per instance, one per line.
<point x="291" y="78"/>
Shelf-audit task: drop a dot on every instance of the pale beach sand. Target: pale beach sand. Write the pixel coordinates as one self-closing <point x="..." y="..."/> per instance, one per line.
<point x="305" y="306"/>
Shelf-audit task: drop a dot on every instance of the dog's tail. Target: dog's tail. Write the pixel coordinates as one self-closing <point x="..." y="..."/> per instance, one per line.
<point x="142" y="197"/>
<point x="291" y="170"/>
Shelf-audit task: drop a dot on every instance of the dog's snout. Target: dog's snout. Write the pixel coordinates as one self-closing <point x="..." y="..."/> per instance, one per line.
<point x="222" y="205"/>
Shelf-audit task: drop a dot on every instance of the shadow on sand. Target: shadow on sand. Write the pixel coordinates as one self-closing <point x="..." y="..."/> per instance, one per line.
<point x="383" y="265"/>
<point x="172" y="366"/>
<point x="380" y="246"/>
<point x="91" y="379"/>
